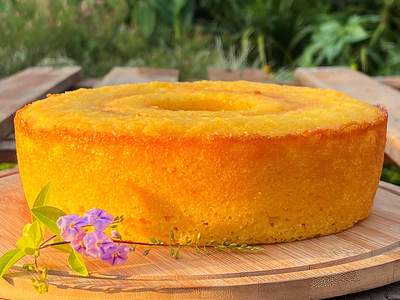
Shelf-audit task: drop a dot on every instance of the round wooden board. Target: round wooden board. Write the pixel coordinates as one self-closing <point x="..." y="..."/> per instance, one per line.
<point x="363" y="257"/>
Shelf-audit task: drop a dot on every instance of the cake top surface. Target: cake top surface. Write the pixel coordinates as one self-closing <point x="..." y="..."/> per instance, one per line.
<point x="203" y="108"/>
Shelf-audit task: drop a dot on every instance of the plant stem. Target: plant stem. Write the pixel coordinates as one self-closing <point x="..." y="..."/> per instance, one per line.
<point x="115" y="241"/>
<point x="135" y="243"/>
<point x="160" y="245"/>
<point x="53" y="244"/>
<point x="46" y="241"/>
<point x="36" y="264"/>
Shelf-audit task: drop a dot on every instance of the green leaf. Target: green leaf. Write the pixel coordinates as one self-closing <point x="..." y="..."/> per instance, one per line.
<point x="31" y="238"/>
<point x="9" y="259"/>
<point x="155" y="241"/>
<point x="178" y="5"/>
<point x="41" y="198"/>
<point x="145" y="19"/>
<point x="5" y="166"/>
<point x="41" y="286"/>
<point x="29" y="267"/>
<point x="64" y="247"/>
<point x="261" y="48"/>
<point x="77" y="264"/>
<point x="177" y="253"/>
<point x="48" y="216"/>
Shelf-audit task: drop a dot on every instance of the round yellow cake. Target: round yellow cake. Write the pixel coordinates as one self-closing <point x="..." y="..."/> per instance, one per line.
<point x="234" y="161"/>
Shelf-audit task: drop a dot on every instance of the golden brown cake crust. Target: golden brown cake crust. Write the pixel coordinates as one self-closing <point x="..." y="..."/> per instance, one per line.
<point x="198" y="109"/>
<point x="106" y="137"/>
<point x="245" y="189"/>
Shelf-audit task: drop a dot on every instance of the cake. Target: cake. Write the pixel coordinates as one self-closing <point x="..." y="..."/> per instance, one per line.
<point x="212" y="162"/>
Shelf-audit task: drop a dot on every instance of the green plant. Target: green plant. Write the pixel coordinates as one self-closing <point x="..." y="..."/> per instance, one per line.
<point x="101" y="34"/>
<point x="94" y="234"/>
<point x="234" y="59"/>
<point x="190" y="56"/>
<point x="94" y="34"/>
<point x="24" y="38"/>
<point x="332" y="40"/>
<point x="363" y="35"/>
<point x="391" y="174"/>
<point x="279" y="27"/>
<point x="6" y="165"/>
<point x="156" y="17"/>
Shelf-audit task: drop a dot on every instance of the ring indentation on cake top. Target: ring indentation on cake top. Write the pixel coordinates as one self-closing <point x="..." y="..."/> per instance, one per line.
<point x="200" y="109"/>
<point x="232" y="161"/>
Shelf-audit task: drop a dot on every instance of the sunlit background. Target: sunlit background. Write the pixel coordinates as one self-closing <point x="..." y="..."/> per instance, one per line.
<point x="189" y="35"/>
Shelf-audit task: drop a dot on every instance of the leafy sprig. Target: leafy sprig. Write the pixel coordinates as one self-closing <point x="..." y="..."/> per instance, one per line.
<point x="234" y="246"/>
<point x="65" y="232"/>
<point x="33" y="240"/>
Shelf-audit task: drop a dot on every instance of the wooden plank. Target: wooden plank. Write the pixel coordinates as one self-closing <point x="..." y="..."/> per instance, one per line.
<point x="363" y="257"/>
<point x="392" y="81"/>
<point x="29" y="85"/>
<point x="122" y="75"/>
<point x="387" y="292"/>
<point x="363" y="87"/>
<point x="8" y="172"/>
<point x="248" y="74"/>
<point x="86" y="83"/>
<point x="7" y="151"/>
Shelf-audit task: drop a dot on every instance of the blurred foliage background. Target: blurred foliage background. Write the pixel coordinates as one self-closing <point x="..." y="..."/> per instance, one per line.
<point x="192" y="35"/>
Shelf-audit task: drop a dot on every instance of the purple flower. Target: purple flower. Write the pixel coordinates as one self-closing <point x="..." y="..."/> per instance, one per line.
<point x="96" y="243"/>
<point x="78" y="244"/>
<point x="116" y="254"/>
<point x="99" y="218"/>
<point x="115" y="234"/>
<point x="70" y="226"/>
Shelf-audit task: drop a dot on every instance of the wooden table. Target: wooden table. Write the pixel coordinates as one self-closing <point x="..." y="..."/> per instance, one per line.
<point x="122" y="75"/>
<point x="248" y="74"/>
<point x="36" y="82"/>
<point x="29" y="85"/>
<point x="24" y="87"/>
<point x="363" y="87"/>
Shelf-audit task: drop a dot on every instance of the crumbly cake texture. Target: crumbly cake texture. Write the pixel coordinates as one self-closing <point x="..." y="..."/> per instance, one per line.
<point x="235" y="161"/>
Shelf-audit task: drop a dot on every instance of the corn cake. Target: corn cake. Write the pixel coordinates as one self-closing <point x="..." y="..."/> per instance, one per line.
<point x="234" y="161"/>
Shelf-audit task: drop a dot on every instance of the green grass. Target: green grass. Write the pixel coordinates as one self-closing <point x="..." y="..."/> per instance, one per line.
<point x="5" y="166"/>
<point x="182" y="34"/>
<point x="391" y="174"/>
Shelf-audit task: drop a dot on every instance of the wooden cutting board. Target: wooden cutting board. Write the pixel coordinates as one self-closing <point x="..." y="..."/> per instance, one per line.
<point x="363" y="257"/>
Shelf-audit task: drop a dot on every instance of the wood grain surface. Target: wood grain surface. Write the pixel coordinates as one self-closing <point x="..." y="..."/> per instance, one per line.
<point x="29" y="85"/>
<point x="392" y="81"/>
<point x="7" y="150"/>
<point x="121" y="75"/>
<point x="363" y="87"/>
<point x="248" y="74"/>
<point x="363" y="257"/>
